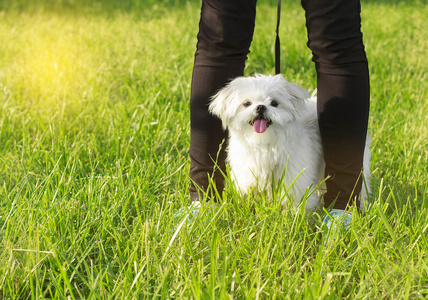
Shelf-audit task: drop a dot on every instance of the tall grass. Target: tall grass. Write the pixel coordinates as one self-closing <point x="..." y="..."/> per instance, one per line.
<point x="94" y="136"/>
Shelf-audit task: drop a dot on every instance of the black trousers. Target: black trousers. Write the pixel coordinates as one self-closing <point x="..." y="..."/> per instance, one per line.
<point x="335" y="39"/>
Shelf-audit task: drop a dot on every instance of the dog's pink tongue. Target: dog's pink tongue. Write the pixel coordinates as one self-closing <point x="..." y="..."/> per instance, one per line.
<point x="260" y="125"/>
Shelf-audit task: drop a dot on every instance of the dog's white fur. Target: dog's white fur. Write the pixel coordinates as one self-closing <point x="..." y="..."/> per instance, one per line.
<point x="289" y="149"/>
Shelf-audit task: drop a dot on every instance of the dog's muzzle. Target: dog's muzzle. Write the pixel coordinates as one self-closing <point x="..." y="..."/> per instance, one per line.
<point x="260" y="123"/>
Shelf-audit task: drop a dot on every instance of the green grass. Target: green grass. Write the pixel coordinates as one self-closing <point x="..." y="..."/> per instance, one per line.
<point x="94" y="138"/>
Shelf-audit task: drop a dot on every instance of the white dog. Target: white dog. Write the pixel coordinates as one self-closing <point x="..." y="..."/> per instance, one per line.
<point x="274" y="135"/>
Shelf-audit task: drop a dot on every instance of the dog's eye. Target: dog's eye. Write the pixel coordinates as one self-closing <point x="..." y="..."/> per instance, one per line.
<point x="274" y="103"/>
<point x="247" y="103"/>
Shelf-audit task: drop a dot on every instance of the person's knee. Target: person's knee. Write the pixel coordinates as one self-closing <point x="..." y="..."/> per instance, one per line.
<point x="334" y="31"/>
<point x="225" y="32"/>
<point x="338" y="51"/>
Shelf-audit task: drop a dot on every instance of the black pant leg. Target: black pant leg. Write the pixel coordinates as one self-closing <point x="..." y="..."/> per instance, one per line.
<point x="225" y="34"/>
<point x="335" y="38"/>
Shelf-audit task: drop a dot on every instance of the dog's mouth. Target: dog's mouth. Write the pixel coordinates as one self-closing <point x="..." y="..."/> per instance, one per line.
<point x="260" y="124"/>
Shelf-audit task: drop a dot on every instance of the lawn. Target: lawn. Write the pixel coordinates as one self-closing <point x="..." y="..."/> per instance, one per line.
<point x="94" y="139"/>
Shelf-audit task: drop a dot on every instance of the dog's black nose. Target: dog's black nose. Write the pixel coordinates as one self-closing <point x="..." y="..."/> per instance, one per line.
<point x="260" y="109"/>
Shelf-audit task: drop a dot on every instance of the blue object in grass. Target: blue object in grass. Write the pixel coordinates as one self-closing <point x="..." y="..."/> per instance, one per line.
<point x="337" y="222"/>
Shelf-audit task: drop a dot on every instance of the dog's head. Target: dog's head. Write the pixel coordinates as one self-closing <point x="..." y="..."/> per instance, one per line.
<point x="258" y="104"/>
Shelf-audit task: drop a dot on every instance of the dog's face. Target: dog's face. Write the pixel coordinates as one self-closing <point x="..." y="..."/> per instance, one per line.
<point x="258" y="105"/>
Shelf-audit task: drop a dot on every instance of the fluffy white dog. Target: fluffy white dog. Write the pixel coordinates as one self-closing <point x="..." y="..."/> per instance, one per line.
<point x="274" y="136"/>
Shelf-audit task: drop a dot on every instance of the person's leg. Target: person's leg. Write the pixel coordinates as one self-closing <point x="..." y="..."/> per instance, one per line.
<point x="225" y="34"/>
<point x="335" y="38"/>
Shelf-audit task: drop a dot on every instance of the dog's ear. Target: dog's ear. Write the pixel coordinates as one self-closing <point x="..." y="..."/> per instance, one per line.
<point x="299" y="94"/>
<point x="219" y="104"/>
<point x="297" y="91"/>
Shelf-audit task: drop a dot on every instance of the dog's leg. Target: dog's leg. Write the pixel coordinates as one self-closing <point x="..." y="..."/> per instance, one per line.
<point x="312" y="202"/>
<point x="296" y="195"/>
